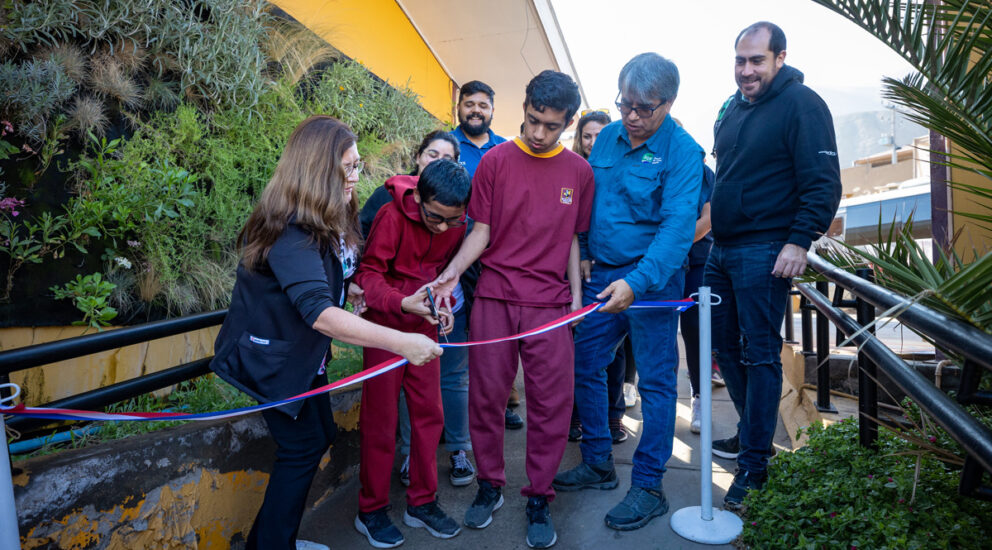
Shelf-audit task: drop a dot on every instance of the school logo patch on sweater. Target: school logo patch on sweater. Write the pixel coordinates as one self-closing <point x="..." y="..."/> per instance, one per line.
<point x="566" y="195"/>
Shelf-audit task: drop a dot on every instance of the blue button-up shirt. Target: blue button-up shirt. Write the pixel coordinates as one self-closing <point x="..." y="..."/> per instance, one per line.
<point x="646" y="202"/>
<point x="471" y="153"/>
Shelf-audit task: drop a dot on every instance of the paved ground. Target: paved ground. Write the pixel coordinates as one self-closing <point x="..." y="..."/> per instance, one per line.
<point x="578" y="517"/>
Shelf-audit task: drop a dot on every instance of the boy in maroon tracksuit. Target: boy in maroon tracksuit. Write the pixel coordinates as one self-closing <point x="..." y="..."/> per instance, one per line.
<point x="411" y="241"/>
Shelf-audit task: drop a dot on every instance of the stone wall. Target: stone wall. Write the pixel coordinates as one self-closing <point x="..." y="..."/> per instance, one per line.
<point x="193" y="486"/>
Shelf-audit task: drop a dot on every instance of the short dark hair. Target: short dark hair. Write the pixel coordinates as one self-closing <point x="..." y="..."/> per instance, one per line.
<point x="445" y="181"/>
<point x="555" y="90"/>
<point x="474" y="87"/>
<point x="436" y="135"/>
<point x="777" y="41"/>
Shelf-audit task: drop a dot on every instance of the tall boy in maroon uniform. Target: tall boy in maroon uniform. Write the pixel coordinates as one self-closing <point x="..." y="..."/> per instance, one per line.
<point x="530" y="197"/>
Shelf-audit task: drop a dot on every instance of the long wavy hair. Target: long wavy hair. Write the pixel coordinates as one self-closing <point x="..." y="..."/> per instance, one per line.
<point x="591" y="116"/>
<point x="307" y="187"/>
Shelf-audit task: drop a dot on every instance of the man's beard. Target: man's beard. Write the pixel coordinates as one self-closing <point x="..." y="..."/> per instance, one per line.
<point x="474" y="130"/>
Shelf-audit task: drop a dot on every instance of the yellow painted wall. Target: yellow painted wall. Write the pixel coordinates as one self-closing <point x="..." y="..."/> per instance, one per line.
<point x="974" y="238"/>
<point x="378" y="34"/>
<point x="73" y="376"/>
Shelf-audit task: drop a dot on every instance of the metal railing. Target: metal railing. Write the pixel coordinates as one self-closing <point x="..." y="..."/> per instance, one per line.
<point x="71" y="348"/>
<point x="966" y="341"/>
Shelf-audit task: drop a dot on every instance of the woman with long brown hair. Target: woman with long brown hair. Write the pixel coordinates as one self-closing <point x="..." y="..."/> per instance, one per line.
<point x="299" y="248"/>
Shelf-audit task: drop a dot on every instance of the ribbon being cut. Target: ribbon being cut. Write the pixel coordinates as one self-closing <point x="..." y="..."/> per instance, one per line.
<point x="357" y="378"/>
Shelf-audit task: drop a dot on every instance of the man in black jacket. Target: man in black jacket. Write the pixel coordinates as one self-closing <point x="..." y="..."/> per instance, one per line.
<point x="777" y="190"/>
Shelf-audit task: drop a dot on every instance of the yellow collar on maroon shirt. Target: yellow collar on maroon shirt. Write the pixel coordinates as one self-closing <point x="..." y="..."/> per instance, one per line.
<point x="523" y="147"/>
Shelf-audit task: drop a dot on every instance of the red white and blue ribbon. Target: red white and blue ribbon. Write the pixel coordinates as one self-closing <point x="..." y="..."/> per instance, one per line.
<point x="357" y="378"/>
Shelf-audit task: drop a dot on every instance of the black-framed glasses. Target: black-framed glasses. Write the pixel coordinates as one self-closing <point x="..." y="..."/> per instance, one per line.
<point x="642" y="112"/>
<point x="354" y="168"/>
<point x="457" y="221"/>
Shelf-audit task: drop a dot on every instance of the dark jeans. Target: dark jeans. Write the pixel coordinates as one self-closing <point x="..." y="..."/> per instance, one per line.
<point x="748" y="342"/>
<point x="689" y="322"/>
<point x="616" y="375"/>
<point x="300" y="444"/>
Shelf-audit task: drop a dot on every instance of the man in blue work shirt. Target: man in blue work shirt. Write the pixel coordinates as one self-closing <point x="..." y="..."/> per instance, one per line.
<point x="648" y="172"/>
<point x="475" y="115"/>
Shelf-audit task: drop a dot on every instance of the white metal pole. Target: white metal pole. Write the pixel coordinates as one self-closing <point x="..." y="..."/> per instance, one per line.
<point x="9" y="537"/>
<point x="706" y="409"/>
<point x="702" y="523"/>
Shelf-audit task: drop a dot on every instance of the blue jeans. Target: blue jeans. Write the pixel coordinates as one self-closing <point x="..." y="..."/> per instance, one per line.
<point x="652" y="333"/>
<point x="747" y="340"/>
<point x="454" y="393"/>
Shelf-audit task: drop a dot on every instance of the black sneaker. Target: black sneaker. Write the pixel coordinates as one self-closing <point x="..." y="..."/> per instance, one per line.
<point x="637" y="508"/>
<point x="617" y="431"/>
<point x="431" y="517"/>
<point x="744" y="482"/>
<point x="378" y="528"/>
<point x="513" y="420"/>
<point x="462" y="471"/>
<point x="727" y="448"/>
<point x="587" y="476"/>
<point x="540" y="529"/>
<point x="487" y="500"/>
<point x="575" y="431"/>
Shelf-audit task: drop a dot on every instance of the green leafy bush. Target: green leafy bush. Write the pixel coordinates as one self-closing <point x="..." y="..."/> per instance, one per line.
<point x="89" y="294"/>
<point x="833" y="493"/>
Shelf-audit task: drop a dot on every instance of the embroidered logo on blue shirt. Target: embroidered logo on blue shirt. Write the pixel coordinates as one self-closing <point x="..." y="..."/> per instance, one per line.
<point x="257" y="340"/>
<point x="566" y="195"/>
<point x="649" y="158"/>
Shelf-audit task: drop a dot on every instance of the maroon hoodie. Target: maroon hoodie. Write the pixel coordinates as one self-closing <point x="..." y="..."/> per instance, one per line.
<point x="401" y="255"/>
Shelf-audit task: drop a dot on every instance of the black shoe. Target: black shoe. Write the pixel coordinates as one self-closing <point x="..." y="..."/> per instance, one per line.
<point x="617" y="431"/>
<point x="575" y="431"/>
<point x="637" y="508"/>
<point x="378" y="528"/>
<point x="727" y="448"/>
<point x="744" y="482"/>
<point x="431" y="517"/>
<point x="462" y="471"/>
<point x="587" y="476"/>
<point x="487" y="500"/>
<point x="513" y="420"/>
<point x="540" y="530"/>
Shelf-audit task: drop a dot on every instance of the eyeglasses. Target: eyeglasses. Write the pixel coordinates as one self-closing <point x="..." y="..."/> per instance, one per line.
<point x="587" y="111"/>
<point x="434" y="154"/>
<point x="354" y="168"/>
<point x="642" y="112"/>
<point x="457" y="221"/>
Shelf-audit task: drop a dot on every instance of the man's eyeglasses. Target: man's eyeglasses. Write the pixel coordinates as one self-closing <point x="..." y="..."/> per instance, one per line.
<point x="354" y="168"/>
<point x="587" y="111"/>
<point x="457" y="221"/>
<point x="642" y="112"/>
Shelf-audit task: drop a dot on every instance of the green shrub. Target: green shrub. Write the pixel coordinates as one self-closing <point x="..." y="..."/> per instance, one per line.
<point x="833" y="493"/>
<point x="90" y="295"/>
<point x="31" y="93"/>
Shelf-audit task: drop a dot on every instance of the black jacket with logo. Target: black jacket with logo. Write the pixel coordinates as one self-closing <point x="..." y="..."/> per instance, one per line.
<point x="267" y="346"/>
<point x="777" y="175"/>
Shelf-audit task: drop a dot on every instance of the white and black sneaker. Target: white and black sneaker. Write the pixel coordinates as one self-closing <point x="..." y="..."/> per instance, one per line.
<point x="727" y="448"/>
<point x="431" y="517"/>
<point x="462" y="471"/>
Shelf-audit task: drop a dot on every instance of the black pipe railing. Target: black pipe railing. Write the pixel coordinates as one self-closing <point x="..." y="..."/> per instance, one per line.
<point x="70" y="348"/>
<point x="972" y="344"/>
<point x="108" y="395"/>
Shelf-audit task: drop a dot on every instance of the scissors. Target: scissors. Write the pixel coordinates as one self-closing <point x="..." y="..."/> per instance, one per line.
<point x="435" y="314"/>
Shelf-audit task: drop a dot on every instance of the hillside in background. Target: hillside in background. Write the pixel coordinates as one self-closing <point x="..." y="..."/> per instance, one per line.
<point x="858" y="134"/>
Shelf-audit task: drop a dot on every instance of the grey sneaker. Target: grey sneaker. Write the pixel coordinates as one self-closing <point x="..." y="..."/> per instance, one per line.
<point x="487" y="500"/>
<point x="540" y="529"/>
<point x="744" y="483"/>
<point x="431" y="517"/>
<point x="637" y="508"/>
<point x="587" y="476"/>
<point x="405" y="471"/>
<point x="462" y="471"/>
<point x="378" y="528"/>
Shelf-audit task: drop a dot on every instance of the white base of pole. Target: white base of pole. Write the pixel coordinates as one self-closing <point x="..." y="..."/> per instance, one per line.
<point x="722" y="529"/>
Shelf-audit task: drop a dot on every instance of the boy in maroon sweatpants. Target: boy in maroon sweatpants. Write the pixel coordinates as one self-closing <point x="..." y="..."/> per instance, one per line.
<point x="531" y="197"/>
<point x="411" y="240"/>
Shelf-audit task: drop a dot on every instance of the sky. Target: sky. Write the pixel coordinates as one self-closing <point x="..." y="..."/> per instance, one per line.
<point x="841" y="62"/>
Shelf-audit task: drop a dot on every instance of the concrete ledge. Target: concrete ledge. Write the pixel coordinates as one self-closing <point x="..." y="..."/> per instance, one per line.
<point x="193" y="486"/>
